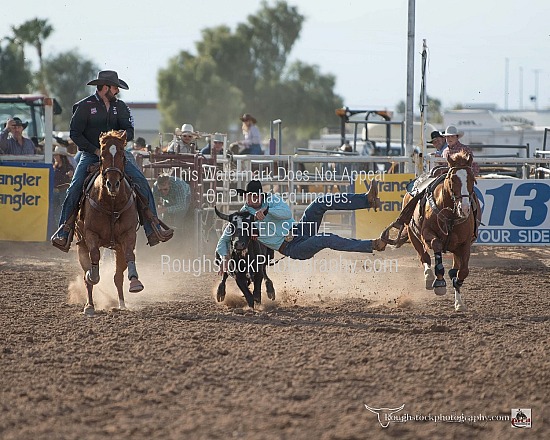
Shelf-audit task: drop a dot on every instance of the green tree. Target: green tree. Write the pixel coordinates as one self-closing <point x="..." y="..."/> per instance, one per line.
<point x="435" y="115"/>
<point x="230" y="55"/>
<point x="401" y="107"/>
<point x="309" y="97"/>
<point x="66" y="75"/>
<point x="191" y="92"/>
<point x="433" y="110"/>
<point x="15" y="73"/>
<point x="34" y="32"/>
<point x="248" y="70"/>
<point x="269" y="36"/>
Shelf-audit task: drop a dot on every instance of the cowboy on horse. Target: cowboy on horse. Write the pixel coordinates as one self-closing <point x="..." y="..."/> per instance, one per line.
<point x="417" y="188"/>
<point x="102" y="112"/>
<point x="108" y="218"/>
<point x="442" y="213"/>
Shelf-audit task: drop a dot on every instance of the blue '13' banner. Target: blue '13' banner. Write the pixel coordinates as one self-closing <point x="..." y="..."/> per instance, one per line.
<point x="515" y="212"/>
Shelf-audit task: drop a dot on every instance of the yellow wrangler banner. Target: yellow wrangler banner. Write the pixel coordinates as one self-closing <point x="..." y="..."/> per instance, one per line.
<point x="24" y="201"/>
<point x="392" y="188"/>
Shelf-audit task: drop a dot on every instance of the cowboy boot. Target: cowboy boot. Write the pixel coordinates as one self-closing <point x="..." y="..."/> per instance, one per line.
<point x="162" y="234"/>
<point x="159" y="235"/>
<point x="64" y="235"/>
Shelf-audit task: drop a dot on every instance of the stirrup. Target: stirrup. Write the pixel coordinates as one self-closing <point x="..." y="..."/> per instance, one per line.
<point x="63" y="247"/>
<point x="162" y="235"/>
<point x="400" y="240"/>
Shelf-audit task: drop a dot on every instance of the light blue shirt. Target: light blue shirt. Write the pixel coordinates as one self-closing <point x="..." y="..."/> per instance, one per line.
<point x="439" y="153"/>
<point x="252" y="137"/>
<point x="272" y="230"/>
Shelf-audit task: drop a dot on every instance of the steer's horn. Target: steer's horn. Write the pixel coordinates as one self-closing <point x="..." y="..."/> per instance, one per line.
<point x="221" y="214"/>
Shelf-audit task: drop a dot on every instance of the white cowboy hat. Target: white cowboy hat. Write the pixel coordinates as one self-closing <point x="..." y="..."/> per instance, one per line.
<point x="451" y="130"/>
<point x="218" y="137"/>
<point x="187" y="128"/>
<point x="61" y="151"/>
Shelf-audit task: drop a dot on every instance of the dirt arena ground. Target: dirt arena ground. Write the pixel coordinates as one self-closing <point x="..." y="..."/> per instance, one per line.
<point x="179" y="366"/>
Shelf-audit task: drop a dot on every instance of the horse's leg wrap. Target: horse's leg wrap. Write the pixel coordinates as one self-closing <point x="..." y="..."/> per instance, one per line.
<point x="132" y="271"/>
<point x="92" y="276"/>
<point x="453" y="273"/>
<point x="439" y="269"/>
<point x="457" y="284"/>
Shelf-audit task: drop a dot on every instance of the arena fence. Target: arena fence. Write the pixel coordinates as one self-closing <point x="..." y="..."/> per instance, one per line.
<point x="300" y="178"/>
<point x="516" y="211"/>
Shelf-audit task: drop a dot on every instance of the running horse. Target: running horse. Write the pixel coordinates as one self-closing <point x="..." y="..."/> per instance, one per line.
<point x="108" y="218"/>
<point x="446" y="219"/>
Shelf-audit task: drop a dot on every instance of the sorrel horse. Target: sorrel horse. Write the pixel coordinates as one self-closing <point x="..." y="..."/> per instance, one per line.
<point x="109" y="218"/>
<point x="445" y="221"/>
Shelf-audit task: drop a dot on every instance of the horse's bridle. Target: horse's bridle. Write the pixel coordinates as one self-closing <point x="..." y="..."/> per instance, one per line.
<point x="114" y="168"/>
<point x="450" y="174"/>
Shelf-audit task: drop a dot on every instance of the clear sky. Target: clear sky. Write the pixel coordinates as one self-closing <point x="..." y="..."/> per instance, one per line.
<point x="362" y="42"/>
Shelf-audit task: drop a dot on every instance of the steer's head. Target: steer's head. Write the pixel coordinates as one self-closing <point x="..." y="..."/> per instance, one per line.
<point x="241" y="224"/>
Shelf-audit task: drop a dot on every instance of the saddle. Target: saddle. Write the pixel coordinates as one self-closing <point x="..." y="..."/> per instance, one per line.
<point x="420" y="191"/>
<point x="144" y="212"/>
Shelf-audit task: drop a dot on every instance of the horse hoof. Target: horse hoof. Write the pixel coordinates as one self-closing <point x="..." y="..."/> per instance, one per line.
<point x="271" y="295"/>
<point x="135" y="286"/>
<point x="89" y="311"/>
<point x="122" y="306"/>
<point x="220" y="295"/>
<point x="440" y="287"/>
<point x="460" y="307"/>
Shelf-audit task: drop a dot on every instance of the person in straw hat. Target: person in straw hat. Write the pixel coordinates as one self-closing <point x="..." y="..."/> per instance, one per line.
<point x="452" y="136"/>
<point x="183" y="141"/>
<point x="252" y="142"/>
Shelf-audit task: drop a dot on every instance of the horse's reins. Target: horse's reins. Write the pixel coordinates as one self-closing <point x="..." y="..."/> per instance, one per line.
<point x="449" y="222"/>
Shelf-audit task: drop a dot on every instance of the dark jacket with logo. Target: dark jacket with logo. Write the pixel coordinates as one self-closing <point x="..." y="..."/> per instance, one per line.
<point x="90" y="119"/>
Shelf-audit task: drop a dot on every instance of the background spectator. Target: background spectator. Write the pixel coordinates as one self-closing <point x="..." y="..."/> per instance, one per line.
<point x="12" y="140"/>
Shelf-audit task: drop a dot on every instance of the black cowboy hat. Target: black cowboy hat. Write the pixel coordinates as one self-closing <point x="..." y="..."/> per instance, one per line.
<point x="248" y="117"/>
<point x="254" y="186"/>
<point x="109" y="78"/>
<point x="435" y="134"/>
<point x="18" y="122"/>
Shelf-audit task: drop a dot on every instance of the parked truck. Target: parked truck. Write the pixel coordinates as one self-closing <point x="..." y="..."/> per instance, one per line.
<point x="38" y="111"/>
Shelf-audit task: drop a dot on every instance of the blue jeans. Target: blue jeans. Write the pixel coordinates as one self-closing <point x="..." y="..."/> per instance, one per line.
<point x="308" y="241"/>
<point x="75" y="189"/>
<point x="253" y="149"/>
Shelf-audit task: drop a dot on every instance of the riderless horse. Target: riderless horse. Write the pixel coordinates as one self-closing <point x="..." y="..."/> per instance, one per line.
<point x="108" y="218"/>
<point x="445" y="220"/>
<point x="248" y="258"/>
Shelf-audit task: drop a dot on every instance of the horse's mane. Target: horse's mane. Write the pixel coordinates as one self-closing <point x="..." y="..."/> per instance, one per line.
<point x="459" y="159"/>
<point x="117" y="136"/>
